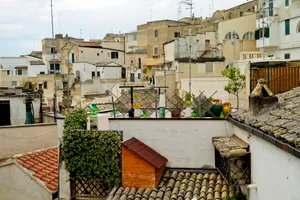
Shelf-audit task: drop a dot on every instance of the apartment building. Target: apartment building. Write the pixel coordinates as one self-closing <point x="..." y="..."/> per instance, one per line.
<point x="278" y="29"/>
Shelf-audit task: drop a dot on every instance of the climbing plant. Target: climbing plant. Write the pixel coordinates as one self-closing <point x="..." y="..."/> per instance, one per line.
<point x="91" y="155"/>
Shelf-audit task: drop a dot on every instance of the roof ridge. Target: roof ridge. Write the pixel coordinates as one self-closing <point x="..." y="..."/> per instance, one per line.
<point x="32" y="152"/>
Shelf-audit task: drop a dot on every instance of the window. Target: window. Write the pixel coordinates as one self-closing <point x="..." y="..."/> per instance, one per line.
<point x="209" y="67"/>
<point x="19" y="72"/>
<point x="81" y="51"/>
<point x="251" y="56"/>
<point x="241" y="14"/>
<point x="101" y="51"/>
<point x="287" y="2"/>
<point x="73" y="57"/>
<point x="271" y="8"/>
<point x="140" y="63"/>
<point x="231" y="36"/>
<point x="298" y="28"/>
<point x="45" y="85"/>
<point x="287" y="27"/>
<point x="93" y="74"/>
<point x="42" y="72"/>
<point x="8" y="72"/>
<point x="230" y="16"/>
<point x="248" y="36"/>
<point x="155" y="33"/>
<point x="14" y="83"/>
<point x="52" y="50"/>
<point x="56" y="70"/>
<point x="123" y="72"/>
<point x="207" y="44"/>
<point x="98" y="54"/>
<point x="134" y="36"/>
<point x="139" y="75"/>
<point x="258" y="55"/>
<point x="176" y="34"/>
<point x="114" y="55"/>
<point x="259" y="33"/>
<point x="244" y="57"/>
<point x="98" y="74"/>
<point x="131" y="62"/>
<point x="155" y="50"/>
<point x="287" y="56"/>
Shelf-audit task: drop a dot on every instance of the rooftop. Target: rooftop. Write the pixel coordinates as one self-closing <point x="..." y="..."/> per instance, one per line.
<point x="43" y="165"/>
<point x="37" y="62"/>
<point x="179" y="185"/>
<point x="145" y="152"/>
<point x="281" y="122"/>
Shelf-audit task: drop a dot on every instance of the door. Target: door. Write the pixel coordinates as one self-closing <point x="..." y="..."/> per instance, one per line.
<point x="5" y="113"/>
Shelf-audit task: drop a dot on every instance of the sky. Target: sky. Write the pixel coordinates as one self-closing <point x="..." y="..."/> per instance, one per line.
<point x="24" y="23"/>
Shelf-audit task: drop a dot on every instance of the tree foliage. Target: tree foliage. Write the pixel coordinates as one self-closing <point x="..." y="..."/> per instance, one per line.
<point x="236" y="81"/>
<point x="91" y="155"/>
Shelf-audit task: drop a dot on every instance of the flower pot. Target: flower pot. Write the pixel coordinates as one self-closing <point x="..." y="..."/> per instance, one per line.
<point x="226" y="108"/>
<point x="216" y="110"/>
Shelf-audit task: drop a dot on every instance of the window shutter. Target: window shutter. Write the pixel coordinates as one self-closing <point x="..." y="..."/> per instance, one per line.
<point x="267" y="32"/>
<point x="271" y="8"/>
<point x="287" y="2"/>
<point x="287" y="27"/>
<point x="256" y="35"/>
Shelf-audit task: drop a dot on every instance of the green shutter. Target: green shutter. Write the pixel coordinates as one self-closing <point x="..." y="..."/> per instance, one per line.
<point x="287" y="27"/>
<point x="287" y="3"/>
<point x="267" y="32"/>
<point x="257" y="35"/>
<point x="271" y="8"/>
<point x="51" y="66"/>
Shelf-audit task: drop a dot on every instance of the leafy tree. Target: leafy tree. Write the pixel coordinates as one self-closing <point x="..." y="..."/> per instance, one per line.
<point x="236" y="82"/>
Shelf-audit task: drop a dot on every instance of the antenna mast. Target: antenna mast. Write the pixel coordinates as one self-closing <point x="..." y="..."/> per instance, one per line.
<point x="190" y="6"/>
<point x="53" y="53"/>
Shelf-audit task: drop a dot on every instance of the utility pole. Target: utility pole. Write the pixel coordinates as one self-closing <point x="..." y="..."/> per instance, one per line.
<point x="53" y="53"/>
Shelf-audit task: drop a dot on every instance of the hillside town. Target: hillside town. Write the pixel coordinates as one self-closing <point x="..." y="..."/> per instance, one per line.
<point x="199" y="108"/>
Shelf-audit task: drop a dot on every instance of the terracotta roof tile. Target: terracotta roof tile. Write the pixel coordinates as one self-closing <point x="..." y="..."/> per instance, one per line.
<point x="179" y="185"/>
<point x="43" y="165"/>
<point x="145" y="152"/>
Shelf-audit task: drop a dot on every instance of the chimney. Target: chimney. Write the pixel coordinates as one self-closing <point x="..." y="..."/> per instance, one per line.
<point x="261" y="99"/>
<point x="60" y="36"/>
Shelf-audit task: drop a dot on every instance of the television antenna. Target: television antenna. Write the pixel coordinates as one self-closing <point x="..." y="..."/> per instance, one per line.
<point x="190" y="6"/>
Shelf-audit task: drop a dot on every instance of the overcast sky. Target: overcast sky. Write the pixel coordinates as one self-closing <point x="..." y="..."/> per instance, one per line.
<point x="24" y="23"/>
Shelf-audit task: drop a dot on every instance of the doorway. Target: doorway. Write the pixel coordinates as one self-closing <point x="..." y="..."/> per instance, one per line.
<point x="5" y="113"/>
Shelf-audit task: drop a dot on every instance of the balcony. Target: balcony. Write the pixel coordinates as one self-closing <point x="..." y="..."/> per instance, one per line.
<point x="266" y="42"/>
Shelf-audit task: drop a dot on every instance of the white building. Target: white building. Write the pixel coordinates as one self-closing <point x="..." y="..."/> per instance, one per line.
<point x="98" y="78"/>
<point x="278" y="29"/>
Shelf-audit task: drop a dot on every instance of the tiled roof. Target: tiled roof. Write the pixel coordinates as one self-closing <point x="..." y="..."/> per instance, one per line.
<point x="230" y="146"/>
<point x="21" y="67"/>
<point x="37" y="62"/>
<point x="181" y="186"/>
<point x="281" y="122"/>
<point x="145" y="152"/>
<point x="37" y="54"/>
<point x="43" y="166"/>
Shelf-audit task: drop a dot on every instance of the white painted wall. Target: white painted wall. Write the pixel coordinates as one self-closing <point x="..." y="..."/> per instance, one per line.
<point x="185" y="143"/>
<point x="91" y="55"/>
<point x="34" y="70"/>
<point x="16" y="184"/>
<point x="275" y="172"/>
<point x="85" y="69"/>
<point x="18" y="109"/>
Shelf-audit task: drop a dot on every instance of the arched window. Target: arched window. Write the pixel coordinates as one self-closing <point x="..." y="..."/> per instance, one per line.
<point x="232" y="35"/>
<point x="230" y="16"/>
<point x="298" y="28"/>
<point x="249" y="36"/>
<point x="241" y="14"/>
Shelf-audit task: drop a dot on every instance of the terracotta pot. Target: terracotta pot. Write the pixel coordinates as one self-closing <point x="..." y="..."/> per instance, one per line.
<point x="217" y="102"/>
<point x="226" y="108"/>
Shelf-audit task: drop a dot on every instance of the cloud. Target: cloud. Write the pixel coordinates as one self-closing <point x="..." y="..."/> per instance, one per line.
<point x="11" y="27"/>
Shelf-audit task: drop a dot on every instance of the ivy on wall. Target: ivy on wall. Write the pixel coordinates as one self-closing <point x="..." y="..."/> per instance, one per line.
<point x="91" y="155"/>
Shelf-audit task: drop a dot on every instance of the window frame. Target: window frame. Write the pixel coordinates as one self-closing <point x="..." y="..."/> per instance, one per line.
<point x="155" y="33"/>
<point x="287" y="56"/>
<point x="287" y="27"/>
<point x="114" y="55"/>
